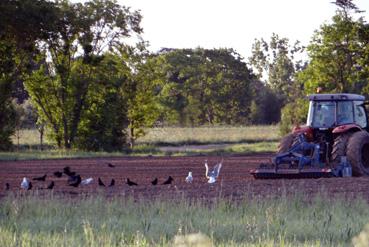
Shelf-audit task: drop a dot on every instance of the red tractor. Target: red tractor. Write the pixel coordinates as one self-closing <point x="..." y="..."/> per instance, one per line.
<point x="335" y="138"/>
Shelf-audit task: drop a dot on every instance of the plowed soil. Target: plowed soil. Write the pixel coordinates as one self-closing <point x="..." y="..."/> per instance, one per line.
<point x="234" y="182"/>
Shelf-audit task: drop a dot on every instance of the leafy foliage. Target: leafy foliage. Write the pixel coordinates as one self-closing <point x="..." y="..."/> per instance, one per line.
<point x="141" y="90"/>
<point x="21" y="23"/>
<point x="205" y="86"/>
<point x="339" y="55"/>
<point x="278" y="60"/>
<point x="82" y="33"/>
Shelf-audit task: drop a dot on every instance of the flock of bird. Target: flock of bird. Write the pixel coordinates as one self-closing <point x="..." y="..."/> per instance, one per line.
<point x="76" y="180"/>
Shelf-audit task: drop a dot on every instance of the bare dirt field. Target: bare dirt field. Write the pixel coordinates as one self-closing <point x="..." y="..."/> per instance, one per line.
<point x="234" y="182"/>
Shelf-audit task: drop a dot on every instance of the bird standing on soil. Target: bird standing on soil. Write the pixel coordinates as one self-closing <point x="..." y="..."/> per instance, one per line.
<point x="68" y="172"/>
<point x="58" y="174"/>
<point x="51" y="185"/>
<point x="26" y="184"/>
<point x="111" y="165"/>
<point x="40" y="178"/>
<point x="86" y="181"/>
<point x="112" y="183"/>
<point x="7" y="186"/>
<point x="155" y="181"/>
<point x="100" y="182"/>
<point x="189" y="178"/>
<point x="74" y="180"/>
<point x="212" y="175"/>
<point x="130" y="183"/>
<point x="169" y="180"/>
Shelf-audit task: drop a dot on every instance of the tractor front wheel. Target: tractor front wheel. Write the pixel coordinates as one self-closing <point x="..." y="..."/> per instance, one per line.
<point x="357" y="153"/>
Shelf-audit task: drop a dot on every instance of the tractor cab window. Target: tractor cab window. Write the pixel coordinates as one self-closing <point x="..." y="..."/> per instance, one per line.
<point x="322" y="114"/>
<point x="345" y="113"/>
<point x="360" y="116"/>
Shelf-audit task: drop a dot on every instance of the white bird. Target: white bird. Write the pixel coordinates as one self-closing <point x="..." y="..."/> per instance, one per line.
<point x="212" y="175"/>
<point x="189" y="178"/>
<point x="86" y="181"/>
<point x="25" y="184"/>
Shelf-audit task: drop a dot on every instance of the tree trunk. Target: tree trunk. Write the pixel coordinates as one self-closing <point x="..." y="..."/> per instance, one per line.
<point x="131" y="137"/>
<point x="41" y="131"/>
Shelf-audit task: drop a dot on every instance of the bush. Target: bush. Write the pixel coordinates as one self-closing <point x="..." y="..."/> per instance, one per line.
<point x="7" y="115"/>
<point x="293" y="113"/>
<point x="266" y="107"/>
<point x="103" y="127"/>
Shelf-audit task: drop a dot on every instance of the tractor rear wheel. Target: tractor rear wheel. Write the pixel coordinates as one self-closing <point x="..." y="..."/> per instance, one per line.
<point x="339" y="148"/>
<point x="358" y="153"/>
<point x="286" y="143"/>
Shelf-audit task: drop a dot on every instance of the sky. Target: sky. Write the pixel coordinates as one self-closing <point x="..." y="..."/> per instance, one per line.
<point x="231" y="23"/>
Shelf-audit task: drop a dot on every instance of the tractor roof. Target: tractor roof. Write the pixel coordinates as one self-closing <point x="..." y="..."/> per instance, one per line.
<point x="339" y="96"/>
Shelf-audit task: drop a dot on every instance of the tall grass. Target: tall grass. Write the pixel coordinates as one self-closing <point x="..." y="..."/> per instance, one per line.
<point x="179" y="135"/>
<point x="217" y="134"/>
<point x="96" y="221"/>
<point x="161" y="141"/>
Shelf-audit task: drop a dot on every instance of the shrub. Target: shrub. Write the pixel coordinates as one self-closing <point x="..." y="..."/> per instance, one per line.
<point x="294" y="113"/>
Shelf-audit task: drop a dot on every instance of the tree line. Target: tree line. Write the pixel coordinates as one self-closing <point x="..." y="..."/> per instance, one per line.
<point x="71" y="69"/>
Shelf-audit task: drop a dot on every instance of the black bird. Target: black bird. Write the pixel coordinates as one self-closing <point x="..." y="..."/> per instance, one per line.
<point x="66" y="169"/>
<point x="40" y="178"/>
<point x="101" y="182"/>
<point x="58" y="174"/>
<point x="111" y="165"/>
<point x="7" y="186"/>
<point x="130" y="183"/>
<point x="68" y="172"/>
<point x="169" y="180"/>
<point x="74" y="180"/>
<point x="112" y="183"/>
<point x="51" y="185"/>
<point x="155" y="181"/>
<point x="29" y="186"/>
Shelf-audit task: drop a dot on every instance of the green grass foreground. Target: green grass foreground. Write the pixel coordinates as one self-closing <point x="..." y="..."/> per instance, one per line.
<point x="94" y="221"/>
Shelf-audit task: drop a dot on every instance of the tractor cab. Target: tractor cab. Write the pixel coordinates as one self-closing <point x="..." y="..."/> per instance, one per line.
<point x="327" y="111"/>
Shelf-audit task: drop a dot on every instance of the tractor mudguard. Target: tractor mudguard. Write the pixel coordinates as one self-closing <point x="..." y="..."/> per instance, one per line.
<point x="346" y="127"/>
<point x="306" y="130"/>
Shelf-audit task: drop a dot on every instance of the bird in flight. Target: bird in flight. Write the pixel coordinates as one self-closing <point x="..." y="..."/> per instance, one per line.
<point x="40" y="178"/>
<point x="51" y="185"/>
<point x="189" y="178"/>
<point x="155" y="181"/>
<point x="169" y="180"/>
<point x="86" y="181"/>
<point x="58" y="174"/>
<point x="100" y="182"/>
<point x="131" y="183"/>
<point x="112" y="182"/>
<point x="213" y="174"/>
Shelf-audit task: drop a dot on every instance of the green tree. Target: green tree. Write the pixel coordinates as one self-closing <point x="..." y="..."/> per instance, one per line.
<point x="21" y="23"/>
<point x="278" y="61"/>
<point x="141" y="89"/>
<point x="82" y="34"/>
<point x="265" y="106"/>
<point x="338" y="54"/>
<point x="104" y="121"/>
<point x="206" y="86"/>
